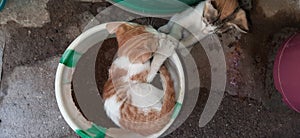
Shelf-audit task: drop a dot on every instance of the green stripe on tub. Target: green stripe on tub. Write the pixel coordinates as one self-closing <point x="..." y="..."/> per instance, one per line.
<point x="176" y="110"/>
<point x="93" y="132"/>
<point x="70" y="58"/>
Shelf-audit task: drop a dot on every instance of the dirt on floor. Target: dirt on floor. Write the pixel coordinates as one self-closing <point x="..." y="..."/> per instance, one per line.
<point x="253" y="109"/>
<point x="249" y="109"/>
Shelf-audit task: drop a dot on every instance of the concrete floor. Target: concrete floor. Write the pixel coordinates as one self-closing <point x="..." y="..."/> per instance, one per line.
<point x="39" y="32"/>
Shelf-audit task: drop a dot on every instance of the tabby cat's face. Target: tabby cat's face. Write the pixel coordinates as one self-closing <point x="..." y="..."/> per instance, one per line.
<point x="226" y="14"/>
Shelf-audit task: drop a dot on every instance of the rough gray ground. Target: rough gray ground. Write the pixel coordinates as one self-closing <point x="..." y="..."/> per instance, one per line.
<point x="29" y="108"/>
<point x="240" y="118"/>
<point x="27" y="103"/>
<point x="30" y="13"/>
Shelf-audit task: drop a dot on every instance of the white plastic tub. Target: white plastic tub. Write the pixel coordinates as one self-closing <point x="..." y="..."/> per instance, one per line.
<point x="64" y="76"/>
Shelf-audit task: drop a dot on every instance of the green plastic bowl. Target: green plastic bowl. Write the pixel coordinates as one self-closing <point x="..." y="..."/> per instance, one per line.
<point x="2" y="4"/>
<point x="155" y="7"/>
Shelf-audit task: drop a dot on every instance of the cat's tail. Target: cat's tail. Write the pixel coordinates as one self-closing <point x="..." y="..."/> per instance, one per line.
<point x="169" y="97"/>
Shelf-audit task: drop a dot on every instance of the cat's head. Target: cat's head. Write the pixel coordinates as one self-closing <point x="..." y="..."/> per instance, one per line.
<point x="225" y="14"/>
<point x="125" y="31"/>
<point x="140" y="49"/>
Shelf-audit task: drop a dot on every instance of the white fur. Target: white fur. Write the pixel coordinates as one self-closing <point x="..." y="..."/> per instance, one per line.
<point x="112" y="108"/>
<point x="133" y="69"/>
<point x="145" y="95"/>
<point x="157" y="107"/>
<point x="151" y="30"/>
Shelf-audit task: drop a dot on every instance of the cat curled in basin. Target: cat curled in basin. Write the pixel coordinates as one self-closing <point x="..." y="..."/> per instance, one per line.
<point x="129" y="100"/>
<point x="208" y="17"/>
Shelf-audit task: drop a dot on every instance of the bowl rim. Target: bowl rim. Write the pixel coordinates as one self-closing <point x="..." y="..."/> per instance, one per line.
<point x="276" y="72"/>
<point x="2" y="4"/>
<point x="142" y="9"/>
<point x="63" y="93"/>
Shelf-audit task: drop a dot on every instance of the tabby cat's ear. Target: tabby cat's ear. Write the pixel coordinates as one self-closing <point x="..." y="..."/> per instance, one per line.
<point x="225" y="7"/>
<point x="240" y="21"/>
<point x="210" y="12"/>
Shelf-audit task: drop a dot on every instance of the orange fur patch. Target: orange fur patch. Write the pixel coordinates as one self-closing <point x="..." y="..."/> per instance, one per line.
<point x="140" y="48"/>
<point x="127" y="31"/>
<point x="116" y="72"/>
<point x="108" y="89"/>
<point x="141" y="77"/>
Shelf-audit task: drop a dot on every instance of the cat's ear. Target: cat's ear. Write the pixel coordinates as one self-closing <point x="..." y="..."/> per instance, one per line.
<point x="113" y="27"/>
<point x="210" y="12"/>
<point x="240" y="21"/>
<point x="225" y="7"/>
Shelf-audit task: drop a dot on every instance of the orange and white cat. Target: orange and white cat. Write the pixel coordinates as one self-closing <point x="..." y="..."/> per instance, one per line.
<point x="129" y="100"/>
